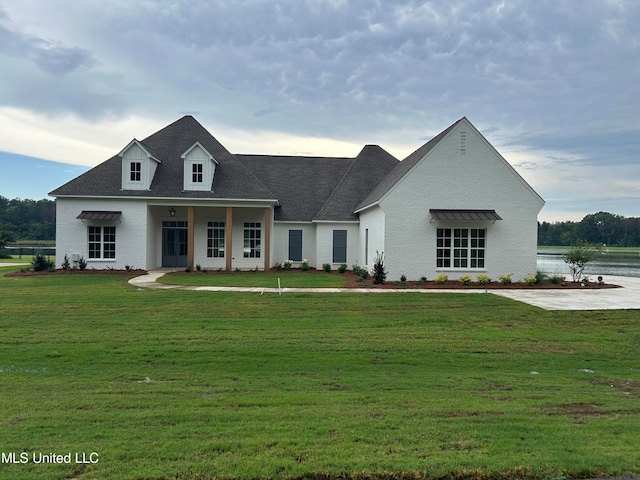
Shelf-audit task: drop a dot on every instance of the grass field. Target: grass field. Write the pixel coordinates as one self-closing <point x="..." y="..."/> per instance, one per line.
<point x="289" y="279"/>
<point x="198" y="385"/>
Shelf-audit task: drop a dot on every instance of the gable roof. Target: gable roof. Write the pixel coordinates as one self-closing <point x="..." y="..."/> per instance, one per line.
<point x="402" y="168"/>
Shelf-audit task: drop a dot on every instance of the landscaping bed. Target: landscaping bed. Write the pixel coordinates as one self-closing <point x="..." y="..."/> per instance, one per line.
<point x="349" y="279"/>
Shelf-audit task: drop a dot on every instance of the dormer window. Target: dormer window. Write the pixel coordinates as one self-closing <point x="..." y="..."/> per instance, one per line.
<point x="136" y="171"/>
<point x="199" y="168"/>
<point x="196" y="173"/>
<point x="138" y="166"/>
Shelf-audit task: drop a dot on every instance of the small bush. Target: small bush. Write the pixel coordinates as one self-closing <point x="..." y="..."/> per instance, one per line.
<point x="66" y="265"/>
<point x="40" y="263"/>
<point x="557" y="279"/>
<point x="403" y="281"/>
<point x="506" y="278"/>
<point x="287" y="264"/>
<point x="442" y="278"/>
<point x="82" y="263"/>
<point x="304" y="266"/>
<point x="531" y="279"/>
<point x="342" y="268"/>
<point x="585" y="281"/>
<point x="198" y="267"/>
<point x="483" y="279"/>
<point x="379" y="273"/>
<point x="129" y="268"/>
<point x="422" y="281"/>
<point x="188" y="269"/>
<point x="465" y="279"/>
<point x="326" y="267"/>
<point x="541" y="278"/>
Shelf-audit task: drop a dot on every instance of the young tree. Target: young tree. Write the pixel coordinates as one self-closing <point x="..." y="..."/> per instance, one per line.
<point x="577" y="258"/>
<point x="379" y="273"/>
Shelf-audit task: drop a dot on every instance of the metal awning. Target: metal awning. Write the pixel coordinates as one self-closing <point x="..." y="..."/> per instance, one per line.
<point x="465" y="215"/>
<point x="98" y="215"/>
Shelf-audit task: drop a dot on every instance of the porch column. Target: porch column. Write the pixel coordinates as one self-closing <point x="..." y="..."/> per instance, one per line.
<point x="267" y="237"/>
<point x="190" y="235"/>
<point x="228" y="249"/>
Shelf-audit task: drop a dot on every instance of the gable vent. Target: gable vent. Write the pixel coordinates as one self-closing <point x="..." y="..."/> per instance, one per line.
<point x="463" y="142"/>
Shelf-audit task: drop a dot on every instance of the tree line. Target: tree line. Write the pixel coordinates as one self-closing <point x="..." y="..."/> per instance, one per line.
<point x="27" y="219"/>
<point x="596" y="228"/>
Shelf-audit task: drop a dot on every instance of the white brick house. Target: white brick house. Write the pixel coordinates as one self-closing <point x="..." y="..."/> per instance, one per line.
<point x="179" y="198"/>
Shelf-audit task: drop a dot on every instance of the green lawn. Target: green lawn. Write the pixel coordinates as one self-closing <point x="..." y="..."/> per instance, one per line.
<point x="288" y="279"/>
<point x="199" y="385"/>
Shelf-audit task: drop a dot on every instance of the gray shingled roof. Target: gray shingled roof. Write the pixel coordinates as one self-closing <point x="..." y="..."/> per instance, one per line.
<point x="368" y="169"/>
<point x="232" y="179"/>
<point x="306" y="188"/>
<point x="402" y="168"/>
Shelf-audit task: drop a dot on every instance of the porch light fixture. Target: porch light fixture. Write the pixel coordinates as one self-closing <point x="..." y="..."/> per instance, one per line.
<point x="172" y="211"/>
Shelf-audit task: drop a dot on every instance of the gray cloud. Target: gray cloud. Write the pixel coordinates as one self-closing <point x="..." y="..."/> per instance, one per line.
<point x="543" y="75"/>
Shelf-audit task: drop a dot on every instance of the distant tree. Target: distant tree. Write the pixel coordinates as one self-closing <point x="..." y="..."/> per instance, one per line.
<point x="6" y="237"/>
<point x="29" y="219"/>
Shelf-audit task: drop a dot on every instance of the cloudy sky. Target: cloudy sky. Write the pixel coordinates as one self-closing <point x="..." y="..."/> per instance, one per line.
<point x="554" y="85"/>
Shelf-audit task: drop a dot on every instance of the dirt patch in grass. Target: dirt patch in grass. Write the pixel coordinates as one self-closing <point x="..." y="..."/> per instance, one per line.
<point x="627" y="387"/>
<point x="577" y="411"/>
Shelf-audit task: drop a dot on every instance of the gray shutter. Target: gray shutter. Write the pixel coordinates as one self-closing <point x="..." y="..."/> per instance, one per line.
<point x="295" y="245"/>
<point x="339" y="246"/>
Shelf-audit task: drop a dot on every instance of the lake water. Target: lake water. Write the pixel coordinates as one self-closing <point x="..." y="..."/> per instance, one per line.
<point x="626" y="264"/>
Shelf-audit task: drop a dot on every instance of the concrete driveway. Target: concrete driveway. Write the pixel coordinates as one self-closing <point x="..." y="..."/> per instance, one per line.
<point x="627" y="297"/>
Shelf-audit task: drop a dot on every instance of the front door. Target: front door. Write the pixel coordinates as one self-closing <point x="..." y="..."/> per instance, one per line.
<point x="174" y="247"/>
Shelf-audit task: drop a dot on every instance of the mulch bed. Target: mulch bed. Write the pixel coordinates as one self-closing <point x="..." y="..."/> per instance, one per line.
<point x="352" y="280"/>
<point x="60" y="271"/>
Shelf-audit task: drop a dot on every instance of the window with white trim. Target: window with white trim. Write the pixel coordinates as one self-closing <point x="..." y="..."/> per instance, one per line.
<point x="460" y="247"/>
<point x="215" y="239"/>
<point x="102" y="242"/>
<point x="196" y="173"/>
<point x="252" y="240"/>
<point x="136" y="172"/>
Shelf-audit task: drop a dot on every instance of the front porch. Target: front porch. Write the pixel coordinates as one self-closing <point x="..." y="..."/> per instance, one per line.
<point x="221" y="237"/>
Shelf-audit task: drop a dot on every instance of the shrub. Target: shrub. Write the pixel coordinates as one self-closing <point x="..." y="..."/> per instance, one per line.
<point x="580" y="254"/>
<point x="585" y="281"/>
<point x="379" y="273"/>
<point x="531" y="279"/>
<point x="342" y="268"/>
<point x="465" y="279"/>
<point x="304" y="266"/>
<point x="403" y="281"/>
<point x="422" y="281"/>
<point x="557" y="279"/>
<point x="66" y="265"/>
<point x="82" y="263"/>
<point x="326" y="267"/>
<point x="287" y="264"/>
<point x="40" y="263"/>
<point x="506" y="278"/>
<point x="442" y="278"/>
<point x="483" y="279"/>
<point x="541" y="277"/>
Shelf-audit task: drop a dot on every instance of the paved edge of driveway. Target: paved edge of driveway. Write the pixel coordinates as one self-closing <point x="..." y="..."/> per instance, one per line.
<point x="625" y="298"/>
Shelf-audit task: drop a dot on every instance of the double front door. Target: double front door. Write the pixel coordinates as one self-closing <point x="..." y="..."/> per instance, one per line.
<point x="174" y="245"/>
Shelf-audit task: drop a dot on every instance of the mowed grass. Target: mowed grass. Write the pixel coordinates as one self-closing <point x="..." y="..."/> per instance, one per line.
<point x="288" y="279"/>
<point x="198" y="385"/>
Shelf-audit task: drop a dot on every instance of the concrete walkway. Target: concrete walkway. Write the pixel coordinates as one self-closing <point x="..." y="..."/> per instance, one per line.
<point x="624" y="298"/>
